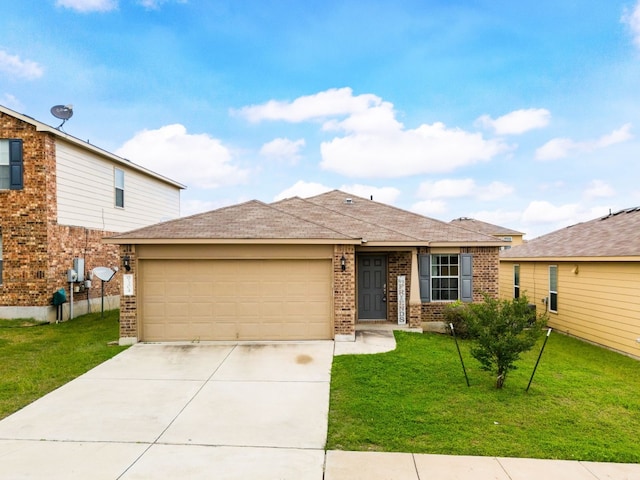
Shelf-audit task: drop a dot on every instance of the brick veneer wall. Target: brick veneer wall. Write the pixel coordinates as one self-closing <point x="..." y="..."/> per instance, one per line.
<point x="129" y="303"/>
<point x="344" y="290"/>
<point x="37" y="252"/>
<point x="398" y="263"/>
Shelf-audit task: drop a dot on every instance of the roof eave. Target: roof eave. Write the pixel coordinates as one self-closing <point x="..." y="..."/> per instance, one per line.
<point x="227" y="241"/>
<point x="620" y="258"/>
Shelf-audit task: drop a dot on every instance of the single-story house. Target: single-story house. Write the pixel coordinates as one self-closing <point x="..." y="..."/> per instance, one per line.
<point x="586" y="276"/>
<point x="512" y="237"/>
<point x="297" y="269"/>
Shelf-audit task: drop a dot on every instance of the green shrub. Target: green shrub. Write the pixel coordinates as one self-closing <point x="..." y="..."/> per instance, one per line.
<point x="454" y="314"/>
<point x="500" y="331"/>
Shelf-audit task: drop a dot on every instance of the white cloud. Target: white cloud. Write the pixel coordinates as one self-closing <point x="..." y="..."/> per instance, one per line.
<point x="193" y="206"/>
<point x="194" y="159"/>
<point x="332" y="102"/>
<point x="429" y="208"/>
<point x="373" y="142"/>
<point x="386" y="195"/>
<point x="85" y="6"/>
<point x="397" y="153"/>
<point x="302" y="189"/>
<point x="516" y="122"/>
<point x="11" y="101"/>
<point x="564" y="147"/>
<point x="466" y="187"/>
<point x="632" y="19"/>
<point x="283" y="149"/>
<point x="617" y="136"/>
<point x="598" y="188"/>
<point x="502" y="218"/>
<point x="155" y="4"/>
<point x="14" y="66"/>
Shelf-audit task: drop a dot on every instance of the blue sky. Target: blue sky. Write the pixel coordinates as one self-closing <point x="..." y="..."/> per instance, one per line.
<point x="524" y="114"/>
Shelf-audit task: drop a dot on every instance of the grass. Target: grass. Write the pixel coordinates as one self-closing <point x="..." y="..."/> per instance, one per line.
<point x="583" y="404"/>
<point x="36" y="359"/>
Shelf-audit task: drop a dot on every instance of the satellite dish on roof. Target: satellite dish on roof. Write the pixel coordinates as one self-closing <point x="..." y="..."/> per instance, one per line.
<point x="63" y="112"/>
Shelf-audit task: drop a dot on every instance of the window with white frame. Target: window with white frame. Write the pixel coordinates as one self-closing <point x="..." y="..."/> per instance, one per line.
<point x="5" y="171"/>
<point x="553" y="288"/>
<point x="119" y="185"/>
<point x="516" y="281"/>
<point x="445" y="277"/>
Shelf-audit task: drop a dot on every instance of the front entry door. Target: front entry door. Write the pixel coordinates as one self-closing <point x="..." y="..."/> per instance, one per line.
<point x="372" y="287"/>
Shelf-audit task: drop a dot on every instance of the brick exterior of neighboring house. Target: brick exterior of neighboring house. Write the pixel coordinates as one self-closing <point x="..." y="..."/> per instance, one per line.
<point x="36" y="251"/>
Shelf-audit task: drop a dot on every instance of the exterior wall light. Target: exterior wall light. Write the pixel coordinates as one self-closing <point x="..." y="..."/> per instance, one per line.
<point x="343" y="263"/>
<point x="126" y="262"/>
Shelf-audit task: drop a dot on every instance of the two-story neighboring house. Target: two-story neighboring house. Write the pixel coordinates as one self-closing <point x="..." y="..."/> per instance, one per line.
<point x="59" y="196"/>
<point x="512" y="237"/>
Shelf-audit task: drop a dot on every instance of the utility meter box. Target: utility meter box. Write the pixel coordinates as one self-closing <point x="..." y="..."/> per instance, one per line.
<point x="72" y="276"/>
<point x="78" y="266"/>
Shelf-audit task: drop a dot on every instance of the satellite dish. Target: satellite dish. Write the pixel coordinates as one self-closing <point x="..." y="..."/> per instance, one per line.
<point x="103" y="273"/>
<point x="63" y="112"/>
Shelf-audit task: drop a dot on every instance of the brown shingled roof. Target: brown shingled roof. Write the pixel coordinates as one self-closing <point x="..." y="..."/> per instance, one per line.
<point x="249" y="220"/>
<point x="323" y="218"/>
<point x="402" y="221"/>
<point x="483" y="227"/>
<point x="615" y="235"/>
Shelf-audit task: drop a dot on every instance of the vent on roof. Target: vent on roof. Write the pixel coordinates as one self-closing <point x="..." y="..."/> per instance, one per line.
<point x="348" y="201"/>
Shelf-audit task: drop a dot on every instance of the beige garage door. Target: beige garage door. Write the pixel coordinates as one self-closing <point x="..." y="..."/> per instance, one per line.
<point x="235" y="300"/>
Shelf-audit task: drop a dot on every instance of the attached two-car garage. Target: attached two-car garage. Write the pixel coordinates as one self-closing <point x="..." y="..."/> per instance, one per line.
<point x="235" y="298"/>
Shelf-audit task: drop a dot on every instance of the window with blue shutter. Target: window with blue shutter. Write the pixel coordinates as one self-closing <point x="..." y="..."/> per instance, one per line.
<point x="15" y="165"/>
<point x="446" y="277"/>
<point x="11" y="167"/>
<point x="466" y="277"/>
<point x="423" y="269"/>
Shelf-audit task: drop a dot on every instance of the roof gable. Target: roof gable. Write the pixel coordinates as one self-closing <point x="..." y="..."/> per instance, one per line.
<point x="402" y="221"/>
<point x="615" y="235"/>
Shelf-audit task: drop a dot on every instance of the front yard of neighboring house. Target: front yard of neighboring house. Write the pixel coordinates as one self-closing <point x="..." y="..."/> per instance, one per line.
<point x="37" y="359"/>
<point x="583" y="403"/>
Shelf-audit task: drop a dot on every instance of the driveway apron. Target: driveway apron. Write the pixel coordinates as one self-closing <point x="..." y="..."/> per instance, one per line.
<point x="225" y="411"/>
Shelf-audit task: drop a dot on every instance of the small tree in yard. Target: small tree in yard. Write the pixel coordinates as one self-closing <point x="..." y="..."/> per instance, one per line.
<point x="501" y="330"/>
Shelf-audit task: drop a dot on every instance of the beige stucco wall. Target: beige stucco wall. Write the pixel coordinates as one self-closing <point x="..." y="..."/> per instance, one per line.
<point x="597" y="301"/>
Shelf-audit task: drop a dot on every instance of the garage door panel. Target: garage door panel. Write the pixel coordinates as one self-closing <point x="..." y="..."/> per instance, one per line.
<point x="235" y="299"/>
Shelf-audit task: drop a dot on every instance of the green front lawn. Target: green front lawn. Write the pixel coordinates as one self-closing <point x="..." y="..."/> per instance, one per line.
<point x="583" y="404"/>
<point x="36" y="359"/>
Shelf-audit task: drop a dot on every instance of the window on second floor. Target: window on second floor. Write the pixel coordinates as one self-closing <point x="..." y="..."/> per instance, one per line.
<point x="11" y="164"/>
<point x="119" y="185"/>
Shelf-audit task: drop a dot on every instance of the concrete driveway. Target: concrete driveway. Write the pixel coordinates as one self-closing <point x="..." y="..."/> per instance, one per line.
<point x="180" y="411"/>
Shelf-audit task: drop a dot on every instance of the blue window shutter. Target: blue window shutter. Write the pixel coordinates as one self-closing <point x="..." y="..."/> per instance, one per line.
<point x="466" y="277"/>
<point x="424" y="268"/>
<point x="15" y="165"/>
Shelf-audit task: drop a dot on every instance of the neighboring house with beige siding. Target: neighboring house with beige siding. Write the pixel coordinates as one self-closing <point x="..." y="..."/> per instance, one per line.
<point x="59" y="196"/>
<point x="511" y="237"/>
<point x="586" y="276"/>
